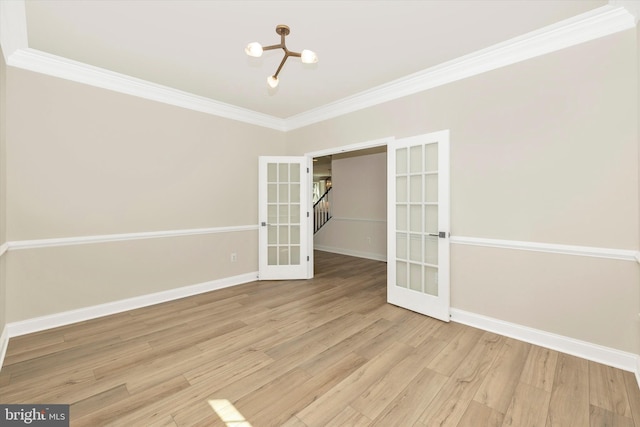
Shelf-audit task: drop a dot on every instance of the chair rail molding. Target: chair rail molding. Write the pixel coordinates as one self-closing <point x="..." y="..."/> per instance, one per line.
<point x="342" y="218"/>
<point x="596" y="252"/>
<point x="68" y="241"/>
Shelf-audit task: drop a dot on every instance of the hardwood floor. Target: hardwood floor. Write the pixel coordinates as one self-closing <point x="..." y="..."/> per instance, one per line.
<point x="325" y="352"/>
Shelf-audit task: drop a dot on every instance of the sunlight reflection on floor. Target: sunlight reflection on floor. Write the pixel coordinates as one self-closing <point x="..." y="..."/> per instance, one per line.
<point x="228" y="413"/>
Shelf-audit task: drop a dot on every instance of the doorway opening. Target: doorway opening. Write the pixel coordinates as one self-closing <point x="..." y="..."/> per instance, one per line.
<point x="351" y="218"/>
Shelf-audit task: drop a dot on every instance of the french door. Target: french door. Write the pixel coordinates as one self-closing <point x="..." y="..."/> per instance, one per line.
<point x="418" y="224"/>
<point x="283" y="249"/>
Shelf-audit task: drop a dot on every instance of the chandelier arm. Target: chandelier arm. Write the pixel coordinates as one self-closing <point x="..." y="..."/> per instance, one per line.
<point x="273" y="46"/>
<point x="284" y="59"/>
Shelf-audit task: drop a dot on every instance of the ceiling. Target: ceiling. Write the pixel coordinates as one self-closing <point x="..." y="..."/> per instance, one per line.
<point x="198" y="46"/>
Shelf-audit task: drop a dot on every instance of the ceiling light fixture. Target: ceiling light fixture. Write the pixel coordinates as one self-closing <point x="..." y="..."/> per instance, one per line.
<point x="255" y="49"/>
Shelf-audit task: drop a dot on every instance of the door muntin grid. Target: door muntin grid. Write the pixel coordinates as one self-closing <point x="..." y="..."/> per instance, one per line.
<point x="417" y="218"/>
<point x="283" y="213"/>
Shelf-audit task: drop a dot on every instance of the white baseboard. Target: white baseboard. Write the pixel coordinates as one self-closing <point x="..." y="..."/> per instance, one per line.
<point x="37" y="324"/>
<point x="349" y="252"/>
<point x="638" y="370"/>
<point x="586" y="350"/>
<point x="4" y="343"/>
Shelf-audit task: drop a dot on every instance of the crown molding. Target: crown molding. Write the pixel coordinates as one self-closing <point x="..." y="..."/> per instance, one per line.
<point x="619" y="15"/>
<point x="13" y="27"/>
<point x="632" y="6"/>
<point x="600" y="22"/>
<point x="57" y="66"/>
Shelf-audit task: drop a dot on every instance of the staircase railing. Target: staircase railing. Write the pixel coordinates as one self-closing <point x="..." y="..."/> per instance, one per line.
<point x="321" y="211"/>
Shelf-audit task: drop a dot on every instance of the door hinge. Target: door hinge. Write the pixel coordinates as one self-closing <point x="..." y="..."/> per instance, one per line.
<point x="307" y="258"/>
<point x="307" y="170"/>
<point x="307" y="214"/>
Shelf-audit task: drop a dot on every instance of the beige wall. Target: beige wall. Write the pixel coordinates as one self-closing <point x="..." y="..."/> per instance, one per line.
<point x="3" y="186"/>
<point x="545" y="151"/>
<point x="561" y="127"/>
<point x="359" y="207"/>
<point x="589" y="299"/>
<point x="87" y="161"/>
<point x="72" y="277"/>
<point x="84" y="161"/>
<point x="638" y="136"/>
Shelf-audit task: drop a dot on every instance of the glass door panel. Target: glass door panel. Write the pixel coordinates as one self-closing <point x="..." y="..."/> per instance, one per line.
<point x="431" y="280"/>
<point x="401" y="274"/>
<point x="283" y="252"/>
<point x="418" y="222"/>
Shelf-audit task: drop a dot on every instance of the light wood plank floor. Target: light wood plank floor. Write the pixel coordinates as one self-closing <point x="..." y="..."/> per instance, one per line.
<point x="326" y="352"/>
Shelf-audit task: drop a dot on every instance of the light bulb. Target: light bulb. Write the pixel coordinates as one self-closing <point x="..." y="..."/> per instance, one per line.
<point x="273" y="81"/>
<point x="308" y="57"/>
<point x="254" y="49"/>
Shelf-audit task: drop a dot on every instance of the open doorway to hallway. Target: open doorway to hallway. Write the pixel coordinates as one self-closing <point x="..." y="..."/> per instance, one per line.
<point x="350" y="207"/>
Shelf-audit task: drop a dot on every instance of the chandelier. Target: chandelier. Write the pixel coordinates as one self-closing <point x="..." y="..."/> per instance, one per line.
<point x="255" y="49"/>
